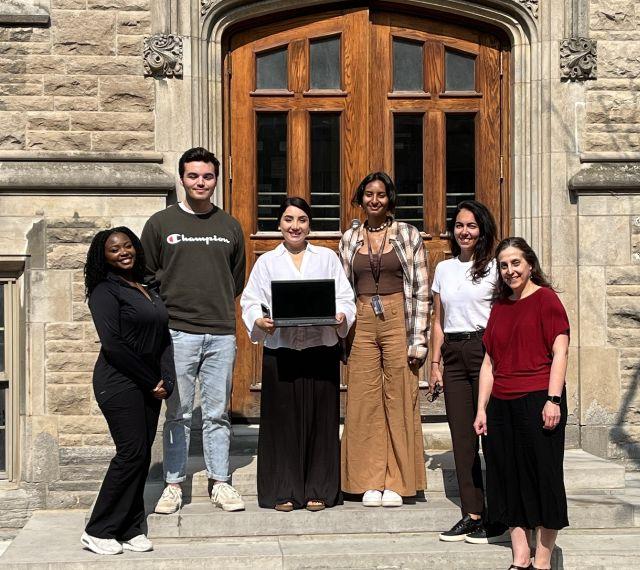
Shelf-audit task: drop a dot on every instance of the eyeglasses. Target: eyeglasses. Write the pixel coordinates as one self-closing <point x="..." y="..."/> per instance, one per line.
<point x="435" y="392"/>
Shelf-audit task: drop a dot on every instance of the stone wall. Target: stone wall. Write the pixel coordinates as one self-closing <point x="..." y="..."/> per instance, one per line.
<point x="613" y="101"/>
<point x="77" y="84"/>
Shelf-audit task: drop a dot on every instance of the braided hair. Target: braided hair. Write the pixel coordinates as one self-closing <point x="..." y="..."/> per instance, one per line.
<point x="96" y="267"/>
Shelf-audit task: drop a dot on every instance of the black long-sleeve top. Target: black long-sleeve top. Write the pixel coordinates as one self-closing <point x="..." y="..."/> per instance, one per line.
<point x="136" y="344"/>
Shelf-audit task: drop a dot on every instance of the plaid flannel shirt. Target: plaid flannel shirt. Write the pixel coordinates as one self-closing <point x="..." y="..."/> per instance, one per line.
<point x="409" y="247"/>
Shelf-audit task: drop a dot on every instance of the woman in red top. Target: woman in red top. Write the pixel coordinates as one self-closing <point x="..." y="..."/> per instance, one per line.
<point x="522" y="408"/>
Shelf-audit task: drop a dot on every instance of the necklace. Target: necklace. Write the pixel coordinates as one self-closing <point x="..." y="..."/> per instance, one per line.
<point x="379" y="228"/>
<point x="292" y="252"/>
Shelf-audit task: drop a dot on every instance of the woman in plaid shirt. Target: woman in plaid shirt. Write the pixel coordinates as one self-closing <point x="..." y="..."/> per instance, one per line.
<point x="387" y="263"/>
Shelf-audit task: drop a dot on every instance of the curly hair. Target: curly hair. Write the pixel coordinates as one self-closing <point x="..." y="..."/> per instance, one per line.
<point x="389" y="186"/>
<point x="483" y="251"/>
<point x="502" y="290"/>
<point x="96" y="267"/>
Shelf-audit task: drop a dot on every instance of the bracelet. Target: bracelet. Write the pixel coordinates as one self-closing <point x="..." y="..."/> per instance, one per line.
<point x="435" y="362"/>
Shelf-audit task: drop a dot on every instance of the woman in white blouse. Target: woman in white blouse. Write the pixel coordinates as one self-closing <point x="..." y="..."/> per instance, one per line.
<point x="299" y="446"/>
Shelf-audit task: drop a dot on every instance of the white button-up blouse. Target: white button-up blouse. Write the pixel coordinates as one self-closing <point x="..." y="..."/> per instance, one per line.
<point x="317" y="263"/>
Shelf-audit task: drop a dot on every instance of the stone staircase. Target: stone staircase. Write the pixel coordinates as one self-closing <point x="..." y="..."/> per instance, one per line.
<point x="604" y="511"/>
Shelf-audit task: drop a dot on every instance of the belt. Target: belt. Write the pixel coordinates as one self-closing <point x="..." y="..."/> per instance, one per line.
<point x="463" y="335"/>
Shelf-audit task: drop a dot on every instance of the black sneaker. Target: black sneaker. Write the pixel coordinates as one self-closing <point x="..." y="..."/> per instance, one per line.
<point x="489" y="534"/>
<point x="461" y="529"/>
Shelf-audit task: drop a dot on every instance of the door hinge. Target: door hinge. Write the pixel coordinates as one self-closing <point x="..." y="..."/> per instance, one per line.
<point x="501" y="60"/>
<point x="230" y="169"/>
<point x="501" y="168"/>
<point x="229" y="65"/>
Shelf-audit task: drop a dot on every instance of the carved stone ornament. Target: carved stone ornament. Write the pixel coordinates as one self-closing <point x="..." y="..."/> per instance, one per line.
<point x="163" y="55"/>
<point x="578" y="59"/>
<point x="531" y="5"/>
<point x="205" y="5"/>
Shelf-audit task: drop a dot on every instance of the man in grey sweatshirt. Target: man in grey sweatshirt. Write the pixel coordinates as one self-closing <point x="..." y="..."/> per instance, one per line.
<point x="195" y="252"/>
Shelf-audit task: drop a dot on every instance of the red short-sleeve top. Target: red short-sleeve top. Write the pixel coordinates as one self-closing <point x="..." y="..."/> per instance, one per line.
<point x="519" y="338"/>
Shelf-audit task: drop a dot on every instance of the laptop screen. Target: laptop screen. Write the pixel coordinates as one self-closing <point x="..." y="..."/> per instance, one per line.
<point x="303" y="299"/>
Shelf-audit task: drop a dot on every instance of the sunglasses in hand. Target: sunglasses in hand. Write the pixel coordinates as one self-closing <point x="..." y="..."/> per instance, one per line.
<point x="434" y="392"/>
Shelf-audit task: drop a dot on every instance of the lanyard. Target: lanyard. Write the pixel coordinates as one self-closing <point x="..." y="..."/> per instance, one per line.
<point x="377" y="264"/>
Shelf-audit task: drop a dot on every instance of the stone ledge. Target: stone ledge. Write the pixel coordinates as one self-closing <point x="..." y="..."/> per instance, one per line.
<point x="606" y="178"/>
<point x="22" y="12"/>
<point x="86" y="178"/>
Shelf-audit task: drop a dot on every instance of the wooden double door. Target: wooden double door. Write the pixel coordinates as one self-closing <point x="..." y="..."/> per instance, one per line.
<point x="315" y="103"/>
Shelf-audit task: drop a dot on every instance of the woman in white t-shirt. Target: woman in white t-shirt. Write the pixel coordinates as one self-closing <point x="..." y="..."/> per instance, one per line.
<point x="462" y="292"/>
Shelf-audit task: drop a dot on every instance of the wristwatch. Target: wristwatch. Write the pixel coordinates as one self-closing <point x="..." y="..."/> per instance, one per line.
<point x="555" y="399"/>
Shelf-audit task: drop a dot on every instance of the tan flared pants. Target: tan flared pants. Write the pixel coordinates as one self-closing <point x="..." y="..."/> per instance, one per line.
<point x="382" y="445"/>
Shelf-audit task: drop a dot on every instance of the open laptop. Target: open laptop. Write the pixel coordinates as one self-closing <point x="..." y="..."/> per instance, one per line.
<point x="309" y="302"/>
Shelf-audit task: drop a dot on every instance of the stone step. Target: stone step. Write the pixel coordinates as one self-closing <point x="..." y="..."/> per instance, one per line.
<point x="199" y="519"/>
<point x="33" y="549"/>
<point x="582" y="472"/>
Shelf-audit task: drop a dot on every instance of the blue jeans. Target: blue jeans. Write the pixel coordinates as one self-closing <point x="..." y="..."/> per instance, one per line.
<point x="210" y="358"/>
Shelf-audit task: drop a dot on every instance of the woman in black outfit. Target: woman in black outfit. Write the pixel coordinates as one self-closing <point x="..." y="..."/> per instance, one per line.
<point x="133" y="374"/>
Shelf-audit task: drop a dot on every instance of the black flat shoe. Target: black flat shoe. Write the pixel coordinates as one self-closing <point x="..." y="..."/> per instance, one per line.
<point x="514" y="567"/>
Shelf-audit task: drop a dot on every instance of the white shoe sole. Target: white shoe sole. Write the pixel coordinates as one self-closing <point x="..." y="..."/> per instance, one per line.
<point x="127" y="546"/>
<point x="88" y="544"/>
<point x="230" y="508"/>
<point x="371" y="503"/>
<point x="391" y="504"/>
<point x="506" y="537"/>
<point x="166" y="511"/>
<point x="458" y="538"/>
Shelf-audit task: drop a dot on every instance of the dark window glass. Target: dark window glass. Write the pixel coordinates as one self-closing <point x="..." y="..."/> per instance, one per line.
<point x="460" y="71"/>
<point x="272" y="167"/>
<point x="271" y="69"/>
<point x="461" y="162"/>
<point x="408" y="65"/>
<point x="325" y="63"/>
<point x="325" y="171"/>
<point x="408" y="165"/>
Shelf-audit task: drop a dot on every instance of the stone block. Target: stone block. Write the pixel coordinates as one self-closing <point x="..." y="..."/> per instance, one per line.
<point x="613" y="141"/>
<point x="82" y="425"/>
<point x="604" y="240"/>
<point x="77" y="293"/>
<point x="112" y="122"/>
<point x="24" y="34"/>
<point x="69" y="440"/>
<point x="592" y="309"/>
<point x="624" y="338"/>
<point x="70" y="377"/>
<point x="49" y="294"/>
<point x="70" y="362"/>
<point x="71" y="346"/>
<point x="63" y="331"/>
<point x="70" y="400"/>
<point x="71" y="86"/>
<point x="599" y="385"/>
<point x="564" y="240"/>
<point x="131" y="95"/>
<point x="618" y="59"/>
<point x="76" y="221"/>
<point x="77" y="473"/>
<point x="623" y="276"/>
<point x="13" y="49"/>
<point x="71" y="234"/>
<point x="615" y="15"/>
<point x="21" y="85"/>
<point x="68" y="4"/>
<point x="81" y="312"/>
<point x="66" y="256"/>
<point x="119" y="141"/>
<point x="623" y="312"/>
<point x="90" y="334"/>
<point x="131" y="23"/>
<point x="75" y="103"/>
<point x="13" y="234"/>
<point x="42" y="449"/>
<point x="135" y="5"/>
<point x="23" y="103"/>
<point x="70" y="499"/>
<point x="84" y="33"/>
<point x="85" y="455"/>
<point x="58" y="141"/>
<point x="100" y="439"/>
<point x="613" y="107"/>
<point x="48" y="121"/>
<point x="105" y="66"/>
<point x="35" y="359"/>
<point x="130" y="45"/>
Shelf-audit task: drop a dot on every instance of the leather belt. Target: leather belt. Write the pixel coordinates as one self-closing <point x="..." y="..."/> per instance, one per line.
<point x="463" y="335"/>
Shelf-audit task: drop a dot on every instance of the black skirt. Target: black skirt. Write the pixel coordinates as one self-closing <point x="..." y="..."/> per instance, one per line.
<point x="299" y="443"/>
<point x="525" y="481"/>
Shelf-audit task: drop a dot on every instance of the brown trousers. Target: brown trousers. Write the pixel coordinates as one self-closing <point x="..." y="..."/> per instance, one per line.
<point x="382" y="446"/>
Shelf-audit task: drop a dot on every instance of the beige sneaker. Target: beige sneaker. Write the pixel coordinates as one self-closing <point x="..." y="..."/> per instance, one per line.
<point x="170" y="500"/>
<point x="226" y="497"/>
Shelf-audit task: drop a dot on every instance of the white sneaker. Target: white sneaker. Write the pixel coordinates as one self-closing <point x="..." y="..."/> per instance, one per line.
<point x="391" y="499"/>
<point x="138" y="543"/>
<point x="372" y="498"/>
<point x="226" y="497"/>
<point x="170" y="500"/>
<point x="100" y="545"/>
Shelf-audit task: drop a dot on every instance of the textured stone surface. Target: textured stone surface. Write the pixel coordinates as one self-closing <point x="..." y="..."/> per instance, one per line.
<point x="71" y="400"/>
<point x="84" y="33"/>
<point x="132" y="95"/>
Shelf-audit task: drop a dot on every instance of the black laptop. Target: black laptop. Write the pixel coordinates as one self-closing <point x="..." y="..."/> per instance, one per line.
<point x="309" y="302"/>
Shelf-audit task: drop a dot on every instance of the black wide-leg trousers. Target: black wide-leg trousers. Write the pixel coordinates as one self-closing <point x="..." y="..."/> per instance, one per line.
<point x="299" y="444"/>
<point x="118" y="513"/>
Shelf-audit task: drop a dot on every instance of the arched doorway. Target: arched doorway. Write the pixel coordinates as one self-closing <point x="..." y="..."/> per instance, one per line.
<point x="316" y="102"/>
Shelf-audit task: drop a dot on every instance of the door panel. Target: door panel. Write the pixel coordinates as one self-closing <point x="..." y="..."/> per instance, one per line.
<point x="317" y="102"/>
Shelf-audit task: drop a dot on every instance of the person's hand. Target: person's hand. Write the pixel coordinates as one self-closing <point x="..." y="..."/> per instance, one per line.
<point x="266" y="324"/>
<point x="550" y="415"/>
<point x="340" y="317"/>
<point x="436" y="376"/>
<point x="480" y="425"/>
<point x="159" y="391"/>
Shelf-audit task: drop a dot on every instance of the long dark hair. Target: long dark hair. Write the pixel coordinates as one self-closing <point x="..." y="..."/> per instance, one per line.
<point x="483" y="251"/>
<point x="96" y="267"/>
<point x="389" y="186"/>
<point x="502" y="290"/>
<point x="296" y="202"/>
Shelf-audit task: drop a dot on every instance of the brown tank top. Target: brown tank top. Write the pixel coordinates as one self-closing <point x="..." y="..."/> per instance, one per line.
<point x="391" y="277"/>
